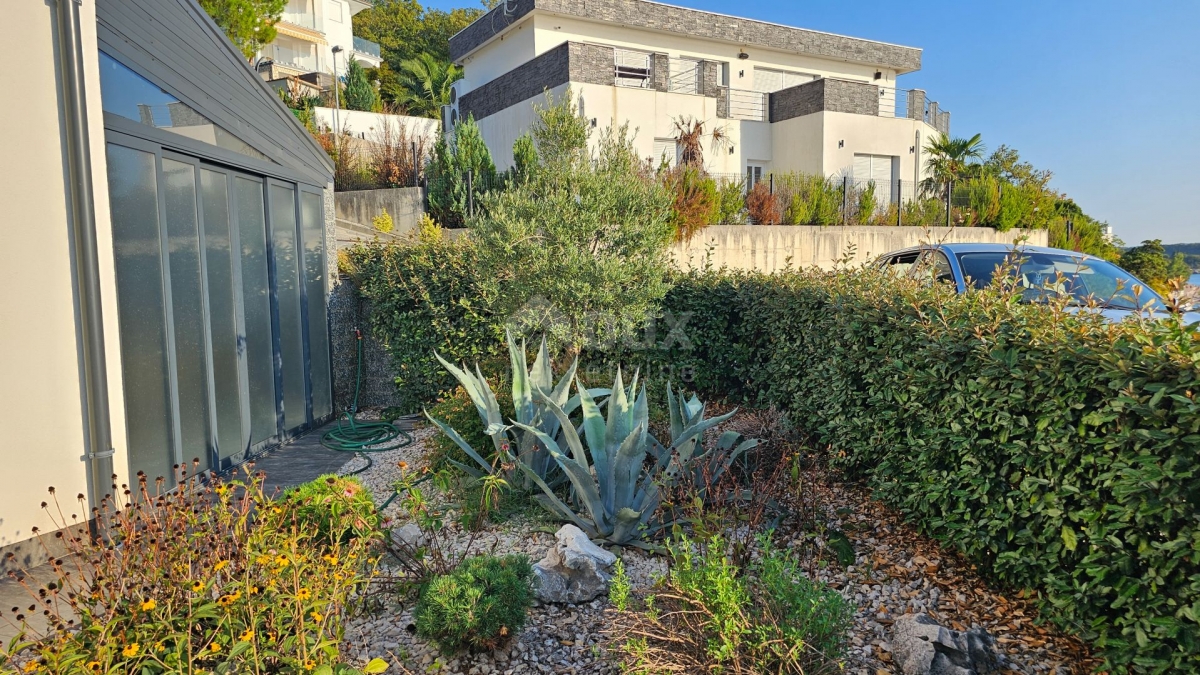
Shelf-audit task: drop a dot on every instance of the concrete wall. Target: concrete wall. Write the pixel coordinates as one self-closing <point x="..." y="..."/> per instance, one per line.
<point x="41" y="394"/>
<point x="355" y="210"/>
<point x="774" y="248"/>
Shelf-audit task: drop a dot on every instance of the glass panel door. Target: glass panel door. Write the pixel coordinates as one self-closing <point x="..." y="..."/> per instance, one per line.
<point x="141" y="310"/>
<point x="312" y="226"/>
<point x="288" y="298"/>
<point x="256" y="304"/>
<point x="224" y="311"/>
<point x="187" y="311"/>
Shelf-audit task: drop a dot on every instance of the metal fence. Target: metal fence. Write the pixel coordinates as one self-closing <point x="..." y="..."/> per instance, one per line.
<point x="743" y="104"/>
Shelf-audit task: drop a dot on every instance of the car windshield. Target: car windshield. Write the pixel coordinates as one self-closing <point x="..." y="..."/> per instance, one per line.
<point x="1048" y="275"/>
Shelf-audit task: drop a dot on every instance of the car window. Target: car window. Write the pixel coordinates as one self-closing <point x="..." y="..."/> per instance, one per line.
<point x="901" y="263"/>
<point x="935" y="265"/>
<point x="1042" y="276"/>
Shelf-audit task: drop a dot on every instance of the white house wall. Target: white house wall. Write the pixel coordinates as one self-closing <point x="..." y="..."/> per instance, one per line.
<point x="865" y="134"/>
<point x="369" y="125"/>
<point x="800" y="144"/>
<point x="502" y="129"/>
<point x="41" y="393"/>
<point x="508" y="51"/>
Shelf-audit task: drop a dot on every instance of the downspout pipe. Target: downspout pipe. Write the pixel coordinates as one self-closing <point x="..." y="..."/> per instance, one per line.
<point x="87" y="270"/>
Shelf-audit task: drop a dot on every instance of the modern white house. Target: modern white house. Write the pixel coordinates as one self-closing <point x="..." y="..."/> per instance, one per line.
<point x="307" y="33"/>
<point x="786" y="99"/>
<point x="165" y="221"/>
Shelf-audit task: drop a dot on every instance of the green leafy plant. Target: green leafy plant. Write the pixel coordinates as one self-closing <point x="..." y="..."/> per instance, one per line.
<point x="617" y="490"/>
<point x="619" y="588"/>
<point x="714" y="615"/>
<point x="689" y="462"/>
<point x="451" y="193"/>
<point x="383" y="222"/>
<point x="480" y="606"/>
<point x="731" y="198"/>
<point x="213" y="577"/>
<point x="334" y="509"/>
<point x="359" y="93"/>
<point x="697" y="202"/>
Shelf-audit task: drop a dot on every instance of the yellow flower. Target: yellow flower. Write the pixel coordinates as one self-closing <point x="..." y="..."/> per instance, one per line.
<point x="130" y="650"/>
<point x="227" y="600"/>
<point x="222" y="564"/>
<point x="149" y="605"/>
<point x="32" y="667"/>
<point x="276" y="510"/>
<point x="253" y="590"/>
<point x="198" y="586"/>
<point x="94" y="666"/>
<point x="282" y="561"/>
<point x="247" y="636"/>
<point x="303" y="594"/>
<point x="331" y="559"/>
<point x="214" y="647"/>
<point x="262" y="559"/>
<point x="309" y="664"/>
<point x="158" y="646"/>
<point x="317" y="616"/>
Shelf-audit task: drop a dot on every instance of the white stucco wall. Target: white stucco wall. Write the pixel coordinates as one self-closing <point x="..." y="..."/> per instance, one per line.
<point x="503" y="129"/>
<point x="505" y="53"/>
<point x="800" y="144"/>
<point x="368" y="124"/>
<point x="866" y="134"/>
<point x="41" y="393"/>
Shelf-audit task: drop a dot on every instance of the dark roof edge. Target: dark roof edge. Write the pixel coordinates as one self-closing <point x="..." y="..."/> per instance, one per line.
<point x="649" y="15"/>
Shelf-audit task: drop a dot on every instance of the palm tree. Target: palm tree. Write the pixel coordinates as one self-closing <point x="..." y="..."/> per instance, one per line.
<point x="951" y="159"/>
<point x="423" y="84"/>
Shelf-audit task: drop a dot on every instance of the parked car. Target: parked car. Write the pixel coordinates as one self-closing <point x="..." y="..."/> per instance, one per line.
<point x="1042" y="273"/>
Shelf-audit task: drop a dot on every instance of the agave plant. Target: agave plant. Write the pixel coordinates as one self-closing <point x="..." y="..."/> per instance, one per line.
<point x="617" y="492"/>
<point x="529" y="410"/>
<point x="689" y="461"/>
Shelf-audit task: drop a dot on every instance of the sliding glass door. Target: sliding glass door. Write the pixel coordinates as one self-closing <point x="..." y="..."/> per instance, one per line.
<point x="221" y="305"/>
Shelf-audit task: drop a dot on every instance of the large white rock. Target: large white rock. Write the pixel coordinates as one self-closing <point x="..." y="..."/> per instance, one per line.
<point x="922" y="647"/>
<point x="574" y="569"/>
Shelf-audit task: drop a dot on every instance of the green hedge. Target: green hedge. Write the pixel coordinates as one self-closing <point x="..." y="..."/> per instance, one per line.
<point x="1058" y="451"/>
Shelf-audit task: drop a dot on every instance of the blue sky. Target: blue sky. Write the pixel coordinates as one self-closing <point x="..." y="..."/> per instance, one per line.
<point x="1105" y="94"/>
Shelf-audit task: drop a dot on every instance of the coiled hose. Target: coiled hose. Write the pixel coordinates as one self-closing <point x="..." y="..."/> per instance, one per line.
<point x="363" y="438"/>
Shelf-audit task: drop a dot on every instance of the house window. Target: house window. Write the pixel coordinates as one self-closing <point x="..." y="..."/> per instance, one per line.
<point x="334" y="11"/>
<point x="684" y="76"/>
<point x="666" y="151"/>
<point x="754" y="175"/>
<point x="883" y="170"/>
<point x="770" y="80"/>
<point x="632" y="68"/>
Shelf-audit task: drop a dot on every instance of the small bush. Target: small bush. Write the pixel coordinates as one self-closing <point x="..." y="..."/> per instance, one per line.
<point x="732" y="198"/>
<point x="697" y="203"/>
<point x="763" y="206"/>
<point x="713" y="615"/>
<point x="480" y="606"/>
<point x="383" y="222"/>
<point x="333" y="509"/>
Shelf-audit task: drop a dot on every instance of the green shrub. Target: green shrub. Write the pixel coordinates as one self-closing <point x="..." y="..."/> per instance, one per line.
<point x="731" y="196"/>
<point x="333" y="509"/>
<point x="714" y="615"/>
<point x="1056" y="449"/>
<point x="427" y="296"/>
<point x="460" y="414"/>
<point x="480" y="606"/>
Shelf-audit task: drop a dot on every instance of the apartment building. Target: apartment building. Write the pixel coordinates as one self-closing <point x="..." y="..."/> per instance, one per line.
<point x="306" y="34"/>
<point x="786" y="99"/>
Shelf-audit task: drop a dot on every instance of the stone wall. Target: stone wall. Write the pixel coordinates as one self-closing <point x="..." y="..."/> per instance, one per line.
<point x="355" y="211"/>
<point x="774" y="247"/>
<point x="826" y="94"/>
<point x="666" y="18"/>
<point x="347" y="311"/>
<point x="568" y="62"/>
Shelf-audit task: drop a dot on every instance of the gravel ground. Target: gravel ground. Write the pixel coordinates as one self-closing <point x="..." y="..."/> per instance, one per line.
<point x="896" y="571"/>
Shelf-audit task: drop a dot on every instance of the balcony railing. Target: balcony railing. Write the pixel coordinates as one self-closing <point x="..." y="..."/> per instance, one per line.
<point x="742" y="104"/>
<point x="303" y="20"/>
<point x="684" y="76"/>
<point x="367" y="47"/>
<point x="912" y="104"/>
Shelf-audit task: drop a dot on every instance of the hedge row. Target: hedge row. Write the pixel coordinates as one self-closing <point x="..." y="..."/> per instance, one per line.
<point x="1059" y="451"/>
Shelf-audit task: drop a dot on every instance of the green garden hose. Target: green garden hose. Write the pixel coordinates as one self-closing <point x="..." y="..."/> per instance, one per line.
<point x="361" y="438"/>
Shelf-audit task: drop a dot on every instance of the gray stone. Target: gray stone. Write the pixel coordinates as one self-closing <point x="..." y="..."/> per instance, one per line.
<point x="568" y="62"/>
<point x="574" y="570"/>
<point x="409" y="534"/>
<point x="922" y="647"/>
